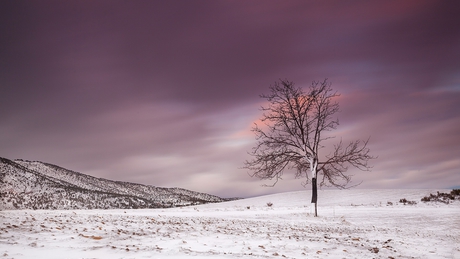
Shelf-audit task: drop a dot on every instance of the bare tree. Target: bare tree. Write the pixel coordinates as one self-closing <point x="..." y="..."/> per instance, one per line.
<point x="291" y="137"/>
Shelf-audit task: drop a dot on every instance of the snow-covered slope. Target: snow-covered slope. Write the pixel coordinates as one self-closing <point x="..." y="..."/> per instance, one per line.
<point x="38" y="185"/>
<point x="351" y="224"/>
<point x="335" y="197"/>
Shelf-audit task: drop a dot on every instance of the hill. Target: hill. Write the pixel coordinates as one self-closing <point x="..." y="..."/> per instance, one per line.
<point x="39" y="185"/>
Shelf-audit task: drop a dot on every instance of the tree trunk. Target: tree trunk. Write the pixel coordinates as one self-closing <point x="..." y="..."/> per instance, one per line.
<point x="314" y="196"/>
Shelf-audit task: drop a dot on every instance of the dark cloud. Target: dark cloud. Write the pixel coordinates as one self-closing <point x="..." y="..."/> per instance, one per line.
<point x="165" y="92"/>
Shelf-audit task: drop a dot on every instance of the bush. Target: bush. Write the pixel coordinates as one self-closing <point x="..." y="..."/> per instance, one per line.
<point x="403" y="200"/>
<point x="269" y="204"/>
<point x="443" y="197"/>
<point x="426" y="199"/>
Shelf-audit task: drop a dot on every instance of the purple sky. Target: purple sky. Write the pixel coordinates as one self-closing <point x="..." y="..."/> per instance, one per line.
<point x="165" y="92"/>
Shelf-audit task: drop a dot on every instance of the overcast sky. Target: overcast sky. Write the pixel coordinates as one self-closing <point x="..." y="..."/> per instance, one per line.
<point x="165" y="92"/>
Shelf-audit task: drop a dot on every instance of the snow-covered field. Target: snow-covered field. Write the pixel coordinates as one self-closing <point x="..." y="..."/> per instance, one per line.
<point x="351" y="224"/>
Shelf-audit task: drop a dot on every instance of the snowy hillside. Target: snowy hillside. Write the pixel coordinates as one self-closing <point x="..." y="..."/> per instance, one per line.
<point x="38" y="185"/>
<point x="351" y="224"/>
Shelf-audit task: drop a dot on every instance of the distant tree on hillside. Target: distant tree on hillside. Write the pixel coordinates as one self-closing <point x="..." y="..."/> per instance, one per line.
<point x="291" y="137"/>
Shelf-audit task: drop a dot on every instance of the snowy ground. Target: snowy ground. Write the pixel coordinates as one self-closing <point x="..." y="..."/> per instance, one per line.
<point x="351" y="224"/>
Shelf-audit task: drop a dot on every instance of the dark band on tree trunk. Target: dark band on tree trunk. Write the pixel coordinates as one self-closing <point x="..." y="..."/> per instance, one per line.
<point x="314" y="196"/>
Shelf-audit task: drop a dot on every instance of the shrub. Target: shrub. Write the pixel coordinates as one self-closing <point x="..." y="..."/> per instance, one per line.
<point x="269" y="204"/>
<point x="405" y="201"/>
<point x="426" y="199"/>
<point x="442" y="197"/>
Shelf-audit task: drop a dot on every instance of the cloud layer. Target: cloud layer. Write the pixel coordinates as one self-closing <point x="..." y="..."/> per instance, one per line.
<point x="165" y="92"/>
